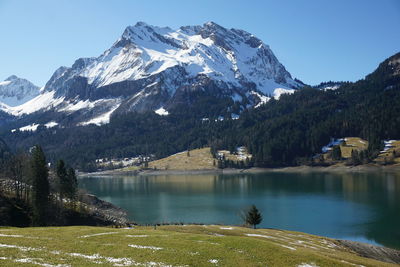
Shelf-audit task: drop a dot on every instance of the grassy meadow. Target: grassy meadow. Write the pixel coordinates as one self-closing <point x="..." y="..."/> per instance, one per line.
<point x="184" y="245"/>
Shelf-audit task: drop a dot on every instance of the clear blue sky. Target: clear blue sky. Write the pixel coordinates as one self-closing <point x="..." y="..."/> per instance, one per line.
<point x="317" y="40"/>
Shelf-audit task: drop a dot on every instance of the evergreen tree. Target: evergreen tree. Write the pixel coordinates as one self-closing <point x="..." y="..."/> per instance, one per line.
<point x="63" y="182"/>
<point x="253" y="216"/>
<point x="355" y="157"/>
<point x="73" y="183"/>
<point x="40" y="186"/>
<point x="336" y="153"/>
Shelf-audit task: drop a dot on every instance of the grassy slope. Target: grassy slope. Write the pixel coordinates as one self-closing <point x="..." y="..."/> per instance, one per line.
<point x="388" y="153"/>
<point x="201" y="159"/>
<point x="198" y="159"/>
<point x="170" y="246"/>
<point x="353" y="143"/>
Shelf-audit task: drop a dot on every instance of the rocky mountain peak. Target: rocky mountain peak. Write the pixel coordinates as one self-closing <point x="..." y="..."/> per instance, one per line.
<point x="150" y="67"/>
<point x="15" y="91"/>
<point x="12" y="78"/>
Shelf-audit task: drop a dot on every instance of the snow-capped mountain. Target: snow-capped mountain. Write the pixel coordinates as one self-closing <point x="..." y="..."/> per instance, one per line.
<point x="15" y="91"/>
<point x="154" y="68"/>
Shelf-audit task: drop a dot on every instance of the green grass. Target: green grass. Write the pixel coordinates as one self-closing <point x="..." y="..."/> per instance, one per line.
<point x="388" y="155"/>
<point x="353" y="143"/>
<point x="170" y="246"/>
<point x="198" y="159"/>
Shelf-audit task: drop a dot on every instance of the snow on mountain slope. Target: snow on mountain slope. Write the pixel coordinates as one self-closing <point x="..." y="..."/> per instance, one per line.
<point x="281" y="91"/>
<point x="45" y="101"/>
<point x="15" y="91"/>
<point x="161" y="111"/>
<point x="48" y="101"/>
<point x="231" y="56"/>
<point x="152" y="68"/>
<point x="102" y="118"/>
<point x="325" y="86"/>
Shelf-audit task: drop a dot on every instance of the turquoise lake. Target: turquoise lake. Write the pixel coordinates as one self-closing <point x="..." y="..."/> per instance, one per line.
<point x="356" y="206"/>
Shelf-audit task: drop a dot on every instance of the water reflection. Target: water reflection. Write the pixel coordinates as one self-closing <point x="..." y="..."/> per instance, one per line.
<point x="359" y="206"/>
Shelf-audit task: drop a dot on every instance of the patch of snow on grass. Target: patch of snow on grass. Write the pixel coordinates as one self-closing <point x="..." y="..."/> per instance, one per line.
<point x="352" y="263"/>
<point x="22" y="236"/>
<point x="11" y="235"/>
<point x="98" y="234"/>
<point x="226" y="228"/>
<point x="329" y="244"/>
<point x="257" y="235"/>
<point x="19" y="247"/>
<point x="216" y="234"/>
<point x="307" y="265"/>
<point x="388" y="145"/>
<point x="89" y="257"/>
<point x="208" y="242"/>
<point x="120" y="261"/>
<point x="137" y="236"/>
<point x="213" y="261"/>
<point x="36" y="262"/>
<point x="98" y="259"/>
<point x="94" y="258"/>
<point x="332" y="143"/>
<point x="291" y="248"/>
<point x="145" y="247"/>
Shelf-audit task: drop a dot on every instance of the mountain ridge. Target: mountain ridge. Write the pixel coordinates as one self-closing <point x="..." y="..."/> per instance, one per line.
<point x="15" y="91"/>
<point x="151" y="67"/>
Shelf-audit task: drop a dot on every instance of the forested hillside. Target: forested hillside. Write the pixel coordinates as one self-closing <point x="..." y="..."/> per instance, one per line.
<point x="288" y="131"/>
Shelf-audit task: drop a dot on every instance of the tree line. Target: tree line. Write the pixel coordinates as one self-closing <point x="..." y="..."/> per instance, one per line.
<point x="285" y="132"/>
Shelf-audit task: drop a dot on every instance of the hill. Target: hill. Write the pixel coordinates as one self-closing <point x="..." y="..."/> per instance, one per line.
<point x="177" y="246"/>
<point x="289" y="131"/>
<point x="196" y="159"/>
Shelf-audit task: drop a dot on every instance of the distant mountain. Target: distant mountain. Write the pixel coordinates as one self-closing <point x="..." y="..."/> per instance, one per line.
<point x="151" y="68"/>
<point x="15" y="91"/>
<point x="287" y="132"/>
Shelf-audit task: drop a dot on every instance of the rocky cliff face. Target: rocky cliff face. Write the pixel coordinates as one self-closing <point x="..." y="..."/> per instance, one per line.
<point x="15" y="91"/>
<point x="150" y="67"/>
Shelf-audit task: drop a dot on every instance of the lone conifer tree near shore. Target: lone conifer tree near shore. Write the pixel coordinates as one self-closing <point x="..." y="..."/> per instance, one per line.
<point x="40" y="186"/>
<point x="253" y="216"/>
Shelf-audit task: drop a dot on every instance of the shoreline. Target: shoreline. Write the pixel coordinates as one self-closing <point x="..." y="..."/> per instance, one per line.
<point x="254" y="170"/>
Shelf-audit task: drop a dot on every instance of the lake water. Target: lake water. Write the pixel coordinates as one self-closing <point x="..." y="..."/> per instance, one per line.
<point x="356" y="206"/>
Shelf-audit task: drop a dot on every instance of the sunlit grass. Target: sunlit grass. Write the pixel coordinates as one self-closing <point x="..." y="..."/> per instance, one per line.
<point x="170" y="246"/>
